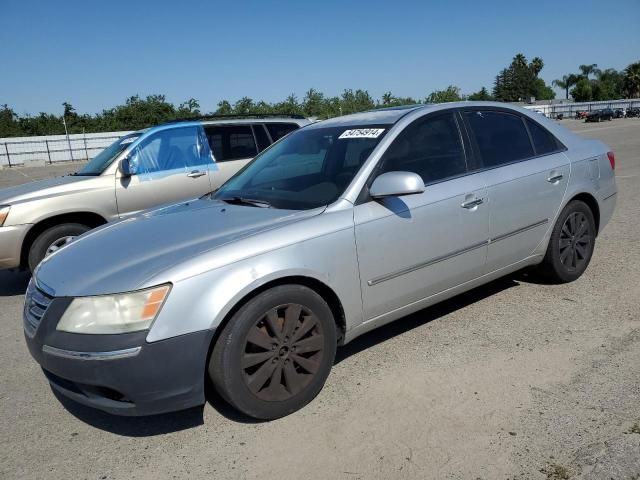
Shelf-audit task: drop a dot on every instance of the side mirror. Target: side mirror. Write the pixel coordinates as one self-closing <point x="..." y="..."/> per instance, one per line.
<point x="126" y="167"/>
<point x="396" y="184"/>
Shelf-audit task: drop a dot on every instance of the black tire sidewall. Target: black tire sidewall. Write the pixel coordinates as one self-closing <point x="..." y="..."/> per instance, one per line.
<point x="39" y="247"/>
<point x="556" y="270"/>
<point x="224" y="366"/>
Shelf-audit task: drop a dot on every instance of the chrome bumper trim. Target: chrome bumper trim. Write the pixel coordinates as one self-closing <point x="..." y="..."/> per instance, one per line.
<point x="113" y="355"/>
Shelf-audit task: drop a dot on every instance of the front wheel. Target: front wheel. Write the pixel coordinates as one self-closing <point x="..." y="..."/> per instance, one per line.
<point x="275" y="353"/>
<point x="52" y="239"/>
<point x="571" y="244"/>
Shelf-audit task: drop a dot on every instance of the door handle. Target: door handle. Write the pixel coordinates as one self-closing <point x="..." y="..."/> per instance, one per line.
<point x="555" y="178"/>
<point x="472" y="203"/>
<point x="196" y="174"/>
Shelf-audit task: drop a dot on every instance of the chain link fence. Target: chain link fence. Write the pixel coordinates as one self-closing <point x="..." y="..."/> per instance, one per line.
<point x="38" y="151"/>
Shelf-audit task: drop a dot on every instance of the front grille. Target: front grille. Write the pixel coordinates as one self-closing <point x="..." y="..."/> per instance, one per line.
<point x="36" y="303"/>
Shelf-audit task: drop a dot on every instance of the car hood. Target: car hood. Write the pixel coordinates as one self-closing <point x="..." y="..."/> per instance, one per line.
<point x="40" y="189"/>
<point x="126" y="255"/>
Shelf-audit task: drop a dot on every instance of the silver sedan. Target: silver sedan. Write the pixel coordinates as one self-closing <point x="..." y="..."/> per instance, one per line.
<point x="340" y="227"/>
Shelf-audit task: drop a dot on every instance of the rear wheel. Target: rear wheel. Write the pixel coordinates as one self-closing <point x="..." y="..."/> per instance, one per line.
<point x="571" y="244"/>
<point x="51" y="240"/>
<point x="275" y="354"/>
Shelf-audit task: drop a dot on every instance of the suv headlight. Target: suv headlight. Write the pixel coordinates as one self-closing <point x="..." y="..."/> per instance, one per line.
<point x="4" y="213"/>
<point x="108" y="314"/>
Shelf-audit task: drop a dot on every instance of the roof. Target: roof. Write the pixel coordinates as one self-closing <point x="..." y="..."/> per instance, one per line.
<point x="380" y="116"/>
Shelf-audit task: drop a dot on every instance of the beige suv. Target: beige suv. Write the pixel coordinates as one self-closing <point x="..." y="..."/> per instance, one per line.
<point x="160" y="165"/>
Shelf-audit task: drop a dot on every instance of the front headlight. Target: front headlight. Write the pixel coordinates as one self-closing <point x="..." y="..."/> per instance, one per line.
<point x="121" y="313"/>
<point x="4" y="213"/>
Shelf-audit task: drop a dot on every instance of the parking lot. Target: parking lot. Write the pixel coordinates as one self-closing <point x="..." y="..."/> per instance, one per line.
<point x="514" y="380"/>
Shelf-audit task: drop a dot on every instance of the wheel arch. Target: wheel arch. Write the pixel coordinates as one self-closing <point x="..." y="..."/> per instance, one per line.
<point x="592" y="203"/>
<point x="321" y="288"/>
<point x="90" y="219"/>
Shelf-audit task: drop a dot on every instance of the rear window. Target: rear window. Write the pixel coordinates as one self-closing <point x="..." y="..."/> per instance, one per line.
<point x="543" y="141"/>
<point x="279" y="130"/>
<point x="501" y="137"/>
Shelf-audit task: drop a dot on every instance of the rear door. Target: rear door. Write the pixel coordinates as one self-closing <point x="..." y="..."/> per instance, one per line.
<point x="171" y="165"/>
<point x="233" y="146"/>
<point x="526" y="175"/>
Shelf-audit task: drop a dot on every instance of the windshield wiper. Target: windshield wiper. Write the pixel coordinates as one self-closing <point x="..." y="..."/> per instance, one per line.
<point x="247" y="201"/>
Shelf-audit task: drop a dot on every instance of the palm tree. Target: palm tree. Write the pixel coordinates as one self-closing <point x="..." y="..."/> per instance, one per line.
<point x="587" y="70"/>
<point x="632" y="80"/>
<point x="566" y="82"/>
<point x="536" y="65"/>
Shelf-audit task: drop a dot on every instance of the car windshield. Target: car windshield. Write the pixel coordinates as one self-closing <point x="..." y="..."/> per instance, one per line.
<point x="307" y="169"/>
<point x="100" y="162"/>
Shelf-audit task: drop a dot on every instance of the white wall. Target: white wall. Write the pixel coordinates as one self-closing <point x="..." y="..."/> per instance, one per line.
<point x="55" y="148"/>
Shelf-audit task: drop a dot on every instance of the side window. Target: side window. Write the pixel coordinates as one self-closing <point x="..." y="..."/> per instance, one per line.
<point x="261" y="137"/>
<point x="279" y="130"/>
<point x="171" y="149"/>
<point x="430" y="147"/>
<point x="543" y="141"/>
<point x="231" y="142"/>
<point x="501" y="137"/>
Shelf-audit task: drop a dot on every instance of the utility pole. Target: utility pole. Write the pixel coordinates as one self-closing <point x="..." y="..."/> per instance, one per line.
<point x="66" y="132"/>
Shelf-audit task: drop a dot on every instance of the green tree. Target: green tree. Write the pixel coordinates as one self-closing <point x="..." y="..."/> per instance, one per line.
<point x="9" y="124"/>
<point x="224" y="108"/>
<point x="482" y="94"/>
<point x="243" y="106"/>
<point x="631" y="80"/>
<point x="520" y="82"/>
<point x="586" y="70"/>
<point x="313" y="103"/>
<point x="582" y="92"/>
<point x="566" y="82"/>
<point x="449" y="94"/>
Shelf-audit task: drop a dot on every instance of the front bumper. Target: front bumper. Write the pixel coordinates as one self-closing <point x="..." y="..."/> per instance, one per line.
<point x="11" y="239"/>
<point x="121" y="374"/>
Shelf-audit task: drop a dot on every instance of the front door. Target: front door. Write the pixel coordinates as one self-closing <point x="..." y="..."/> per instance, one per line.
<point x="415" y="246"/>
<point x="170" y="166"/>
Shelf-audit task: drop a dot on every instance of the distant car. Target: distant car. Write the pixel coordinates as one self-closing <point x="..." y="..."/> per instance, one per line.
<point x="160" y="165"/>
<point x="341" y="227"/>
<point x="599" y="115"/>
<point x="581" y="114"/>
<point x="619" y="113"/>
<point x="633" y="112"/>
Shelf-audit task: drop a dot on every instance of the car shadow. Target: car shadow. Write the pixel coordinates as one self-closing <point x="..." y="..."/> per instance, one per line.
<point x="13" y="283"/>
<point x="422" y="317"/>
<point x="186" y="419"/>
<point x="133" y="426"/>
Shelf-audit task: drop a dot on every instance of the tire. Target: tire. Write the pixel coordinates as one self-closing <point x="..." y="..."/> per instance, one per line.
<point x="571" y="244"/>
<point x="253" y="365"/>
<point x="47" y="240"/>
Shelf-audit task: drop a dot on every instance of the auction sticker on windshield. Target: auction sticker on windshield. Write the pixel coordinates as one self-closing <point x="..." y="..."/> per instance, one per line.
<point x="362" y="133"/>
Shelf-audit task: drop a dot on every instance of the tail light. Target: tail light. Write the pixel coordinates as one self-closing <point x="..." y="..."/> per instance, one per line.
<point x="612" y="160"/>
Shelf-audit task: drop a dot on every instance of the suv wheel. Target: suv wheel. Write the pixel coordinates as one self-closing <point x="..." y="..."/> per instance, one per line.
<point x="571" y="244"/>
<point x="275" y="354"/>
<point x="51" y="240"/>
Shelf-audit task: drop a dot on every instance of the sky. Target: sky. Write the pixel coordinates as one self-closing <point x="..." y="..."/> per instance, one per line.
<point x="95" y="54"/>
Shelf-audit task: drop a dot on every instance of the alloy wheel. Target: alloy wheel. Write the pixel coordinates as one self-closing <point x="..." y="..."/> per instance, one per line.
<point x="58" y="244"/>
<point x="282" y="352"/>
<point x="575" y="241"/>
